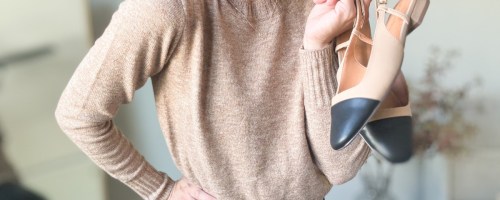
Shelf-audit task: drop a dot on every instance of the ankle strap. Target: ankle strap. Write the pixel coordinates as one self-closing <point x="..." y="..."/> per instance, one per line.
<point x="379" y="2"/>
<point x="382" y="9"/>
<point x="342" y="45"/>
<point x="362" y="37"/>
<point x="359" y="22"/>
<point x="360" y="19"/>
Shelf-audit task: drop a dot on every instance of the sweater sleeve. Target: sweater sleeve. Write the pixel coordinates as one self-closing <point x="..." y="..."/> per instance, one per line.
<point x="136" y="45"/>
<point x="318" y="71"/>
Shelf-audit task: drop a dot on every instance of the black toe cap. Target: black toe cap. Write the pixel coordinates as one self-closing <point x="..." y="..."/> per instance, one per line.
<point x="348" y="118"/>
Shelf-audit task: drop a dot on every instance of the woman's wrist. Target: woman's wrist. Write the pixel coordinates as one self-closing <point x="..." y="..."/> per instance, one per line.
<point x="314" y="44"/>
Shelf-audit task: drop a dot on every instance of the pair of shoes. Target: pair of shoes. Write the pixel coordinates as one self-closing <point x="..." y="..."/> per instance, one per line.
<point x="386" y="133"/>
<point x="355" y="108"/>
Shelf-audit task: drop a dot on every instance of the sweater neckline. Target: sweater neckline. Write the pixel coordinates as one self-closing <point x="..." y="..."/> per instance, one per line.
<point x="254" y="10"/>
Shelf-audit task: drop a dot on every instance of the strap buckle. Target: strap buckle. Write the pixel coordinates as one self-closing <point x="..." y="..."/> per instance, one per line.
<point x="381" y="2"/>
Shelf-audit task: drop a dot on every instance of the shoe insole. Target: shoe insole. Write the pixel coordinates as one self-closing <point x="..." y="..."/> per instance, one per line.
<point x="356" y="60"/>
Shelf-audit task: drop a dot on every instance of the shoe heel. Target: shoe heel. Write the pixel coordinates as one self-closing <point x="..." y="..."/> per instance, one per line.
<point x="418" y="14"/>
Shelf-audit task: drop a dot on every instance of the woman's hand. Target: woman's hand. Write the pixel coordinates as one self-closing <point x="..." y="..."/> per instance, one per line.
<point x="327" y="20"/>
<point x="184" y="190"/>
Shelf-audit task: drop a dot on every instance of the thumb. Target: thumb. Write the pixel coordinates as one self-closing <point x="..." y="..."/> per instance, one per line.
<point x="348" y="3"/>
<point x="319" y="1"/>
<point x="347" y="6"/>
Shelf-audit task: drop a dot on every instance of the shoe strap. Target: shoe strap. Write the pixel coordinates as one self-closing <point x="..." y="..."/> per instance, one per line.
<point x="382" y="9"/>
<point x="362" y="37"/>
<point x="358" y="24"/>
<point x="356" y="33"/>
<point x="383" y="113"/>
<point x="380" y="2"/>
<point x="342" y="46"/>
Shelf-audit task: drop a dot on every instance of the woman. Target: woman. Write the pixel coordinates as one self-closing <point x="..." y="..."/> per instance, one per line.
<point x="242" y="91"/>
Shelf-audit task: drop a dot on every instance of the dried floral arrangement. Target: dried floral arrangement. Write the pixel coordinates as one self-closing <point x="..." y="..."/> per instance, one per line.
<point x="438" y="111"/>
<point x="439" y="117"/>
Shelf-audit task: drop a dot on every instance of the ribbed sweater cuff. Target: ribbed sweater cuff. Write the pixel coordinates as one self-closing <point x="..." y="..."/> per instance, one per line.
<point x="318" y="72"/>
<point x="151" y="184"/>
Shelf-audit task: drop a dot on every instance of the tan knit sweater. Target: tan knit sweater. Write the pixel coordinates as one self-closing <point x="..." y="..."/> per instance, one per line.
<point x="244" y="111"/>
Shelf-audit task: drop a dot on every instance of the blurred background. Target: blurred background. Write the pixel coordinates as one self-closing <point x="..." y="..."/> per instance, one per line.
<point x="451" y="64"/>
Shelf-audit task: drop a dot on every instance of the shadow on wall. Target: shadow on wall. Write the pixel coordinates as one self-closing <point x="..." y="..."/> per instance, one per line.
<point x="10" y="186"/>
<point x="101" y="12"/>
<point x="39" y="49"/>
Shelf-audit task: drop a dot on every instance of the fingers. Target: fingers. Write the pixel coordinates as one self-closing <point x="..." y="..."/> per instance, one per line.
<point x="187" y="190"/>
<point x="198" y="194"/>
<point x="319" y="1"/>
<point x="332" y="3"/>
<point x="349" y="3"/>
<point x="326" y="2"/>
